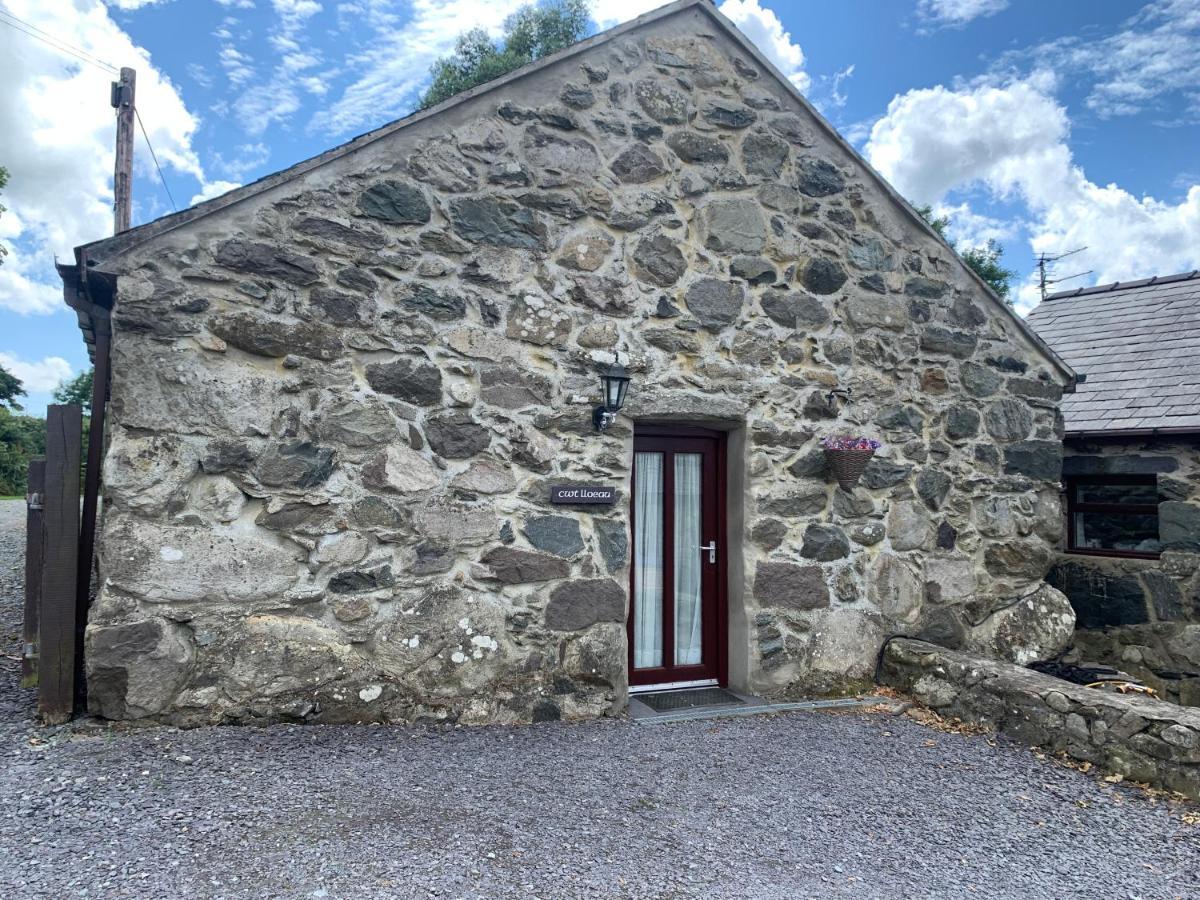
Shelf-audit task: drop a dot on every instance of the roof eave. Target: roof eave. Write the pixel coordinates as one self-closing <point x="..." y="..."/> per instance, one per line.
<point x="1179" y="431"/>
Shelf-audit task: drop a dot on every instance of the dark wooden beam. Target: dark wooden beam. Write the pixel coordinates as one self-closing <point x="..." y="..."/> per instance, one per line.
<point x="91" y="491"/>
<point x="56" y="624"/>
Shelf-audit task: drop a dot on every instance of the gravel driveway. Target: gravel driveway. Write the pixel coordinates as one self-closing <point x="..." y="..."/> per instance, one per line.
<point x="800" y="805"/>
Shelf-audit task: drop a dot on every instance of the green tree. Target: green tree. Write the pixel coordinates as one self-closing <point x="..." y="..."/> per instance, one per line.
<point x="530" y="33"/>
<point x="3" y="208"/>
<point x="21" y="439"/>
<point x="10" y="389"/>
<point x="939" y="224"/>
<point x="76" y="390"/>
<point x="985" y="260"/>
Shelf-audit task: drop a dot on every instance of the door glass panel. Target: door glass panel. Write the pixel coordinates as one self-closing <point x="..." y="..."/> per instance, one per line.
<point x="648" y="561"/>
<point x="687" y="559"/>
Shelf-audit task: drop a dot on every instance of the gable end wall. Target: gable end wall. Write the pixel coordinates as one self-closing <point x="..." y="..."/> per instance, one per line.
<point x="338" y="406"/>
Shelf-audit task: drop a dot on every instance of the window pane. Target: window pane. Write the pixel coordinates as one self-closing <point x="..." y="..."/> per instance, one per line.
<point x="687" y="559"/>
<point x="1110" y="531"/>
<point x="648" y="560"/>
<point x="1126" y="494"/>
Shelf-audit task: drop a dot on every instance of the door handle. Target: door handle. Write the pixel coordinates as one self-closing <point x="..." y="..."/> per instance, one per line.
<point x="711" y="547"/>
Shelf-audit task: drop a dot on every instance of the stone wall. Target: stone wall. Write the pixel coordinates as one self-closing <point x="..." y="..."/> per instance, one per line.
<point x="1143" y="739"/>
<point x="339" y="403"/>
<point x="1163" y="655"/>
<point x="1108" y="591"/>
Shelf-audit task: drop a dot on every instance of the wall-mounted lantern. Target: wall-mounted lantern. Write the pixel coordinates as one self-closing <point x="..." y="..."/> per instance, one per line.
<point x="614" y="382"/>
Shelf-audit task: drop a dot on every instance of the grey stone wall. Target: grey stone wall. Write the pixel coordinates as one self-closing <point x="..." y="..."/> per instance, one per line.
<point x="1143" y="739"/>
<point x="338" y="406"/>
<point x="1110" y="591"/>
<point x="1163" y="655"/>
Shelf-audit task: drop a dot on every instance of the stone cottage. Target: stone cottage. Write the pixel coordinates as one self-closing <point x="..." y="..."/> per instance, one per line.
<point x="351" y="404"/>
<point x="1130" y="561"/>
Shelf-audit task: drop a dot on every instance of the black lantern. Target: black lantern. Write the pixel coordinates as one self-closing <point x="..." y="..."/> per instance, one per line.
<point x="614" y="382"/>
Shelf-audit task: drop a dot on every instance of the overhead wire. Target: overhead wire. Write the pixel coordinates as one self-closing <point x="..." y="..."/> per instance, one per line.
<point x="7" y="18"/>
<point x="28" y="28"/>
<point x="154" y="157"/>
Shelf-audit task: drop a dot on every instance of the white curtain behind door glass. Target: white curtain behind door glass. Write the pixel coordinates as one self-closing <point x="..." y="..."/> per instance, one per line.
<point x="648" y="561"/>
<point x="687" y="559"/>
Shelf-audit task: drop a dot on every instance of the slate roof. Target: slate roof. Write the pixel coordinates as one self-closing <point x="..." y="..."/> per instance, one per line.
<point x="1136" y="345"/>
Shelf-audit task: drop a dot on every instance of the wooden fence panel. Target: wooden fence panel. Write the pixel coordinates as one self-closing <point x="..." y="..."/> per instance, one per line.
<point x="34" y="497"/>
<point x="56" y="625"/>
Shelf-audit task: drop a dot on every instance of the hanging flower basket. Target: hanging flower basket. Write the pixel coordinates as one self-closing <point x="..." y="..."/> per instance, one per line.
<point x="848" y="457"/>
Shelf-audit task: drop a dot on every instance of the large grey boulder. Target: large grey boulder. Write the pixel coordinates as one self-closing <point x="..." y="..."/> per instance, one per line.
<point x="165" y="563"/>
<point x="1039" y="626"/>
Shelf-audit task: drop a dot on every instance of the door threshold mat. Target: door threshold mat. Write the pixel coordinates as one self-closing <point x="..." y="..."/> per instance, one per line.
<point x="669" y="701"/>
<point x="755" y="709"/>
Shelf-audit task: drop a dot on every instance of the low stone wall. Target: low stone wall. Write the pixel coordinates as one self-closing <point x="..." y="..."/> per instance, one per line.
<point x="1143" y="739"/>
<point x="1164" y="655"/>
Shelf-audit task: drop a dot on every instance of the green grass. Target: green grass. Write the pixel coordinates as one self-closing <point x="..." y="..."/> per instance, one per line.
<point x="12" y="496"/>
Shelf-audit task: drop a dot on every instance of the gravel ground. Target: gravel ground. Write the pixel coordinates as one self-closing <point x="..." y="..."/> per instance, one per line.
<point x="800" y="805"/>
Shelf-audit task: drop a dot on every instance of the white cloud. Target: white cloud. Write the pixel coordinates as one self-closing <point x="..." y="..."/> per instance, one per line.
<point x="396" y="65"/>
<point x="836" y="97"/>
<point x="958" y="12"/>
<point x="762" y="26"/>
<point x="129" y="5"/>
<point x="236" y="65"/>
<point x="1154" y="54"/>
<point x="1011" y="141"/>
<point x="39" y="377"/>
<point x="971" y="229"/>
<point x="608" y="13"/>
<point x="757" y="22"/>
<point x="213" y="189"/>
<point x="60" y="190"/>
<point x="277" y="98"/>
<point x="934" y="139"/>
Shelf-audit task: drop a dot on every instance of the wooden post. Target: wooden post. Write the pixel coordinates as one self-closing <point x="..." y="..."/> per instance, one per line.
<point x="122" y="101"/>
<point x="34" y="496"/>
<point x="56" y="625"/>
<point x="91" y="490"/>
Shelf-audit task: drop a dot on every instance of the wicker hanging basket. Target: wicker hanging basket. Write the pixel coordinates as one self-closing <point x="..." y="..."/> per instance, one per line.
<point x="848" y="465"/>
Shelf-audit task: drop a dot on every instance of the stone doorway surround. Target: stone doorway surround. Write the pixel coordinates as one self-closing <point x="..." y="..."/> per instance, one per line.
<point x="656" y="407"/>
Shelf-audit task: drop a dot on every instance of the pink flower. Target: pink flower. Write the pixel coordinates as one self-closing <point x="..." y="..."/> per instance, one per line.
<point x="845" y="442"/>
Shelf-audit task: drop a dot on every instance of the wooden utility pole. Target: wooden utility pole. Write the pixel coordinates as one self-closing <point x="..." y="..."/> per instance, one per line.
<point x="122" y="102"/>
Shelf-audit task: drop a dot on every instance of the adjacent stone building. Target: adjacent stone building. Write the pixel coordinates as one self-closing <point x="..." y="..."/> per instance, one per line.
<point x="342" y="396"/>
<point x="1130" y="560"/>
<point x="1132" y="468"/>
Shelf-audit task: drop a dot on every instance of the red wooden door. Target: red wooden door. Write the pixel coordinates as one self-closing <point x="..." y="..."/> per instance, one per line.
<point x="677" y="619"/>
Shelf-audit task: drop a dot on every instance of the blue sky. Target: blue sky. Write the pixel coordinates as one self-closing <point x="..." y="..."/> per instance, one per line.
<point x="1046" y="126"/>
